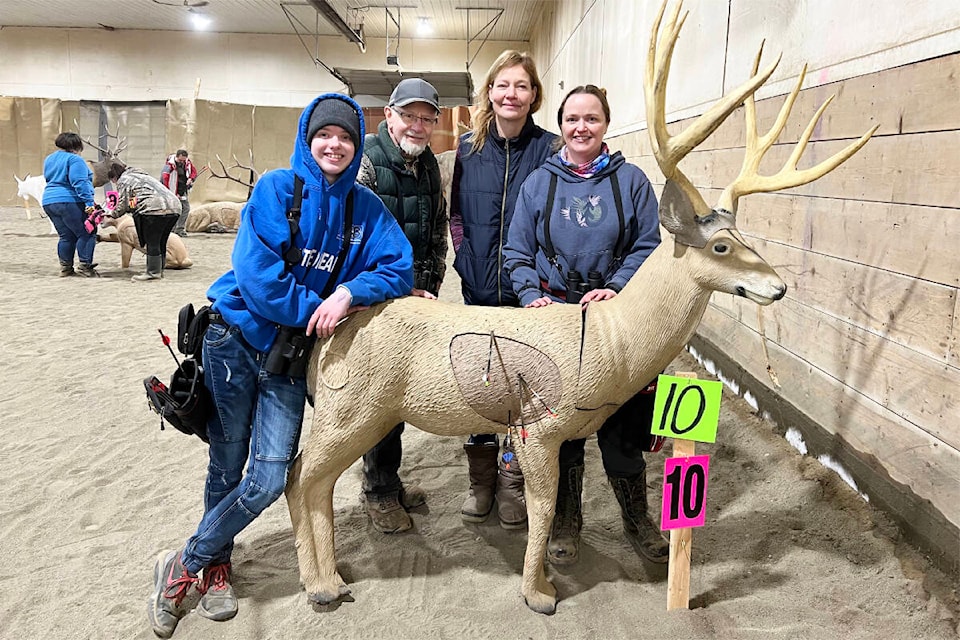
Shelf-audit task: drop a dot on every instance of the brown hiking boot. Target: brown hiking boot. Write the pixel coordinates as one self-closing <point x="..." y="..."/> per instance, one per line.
<point x="385" y="517"/>
<point x="88" y="270"/>
<point x="387" y="512"/>
<point x="66" y="269"/>
<point x="644" y="536"/>
<point x="563" y="547"/>
<point x="482" y="466"/>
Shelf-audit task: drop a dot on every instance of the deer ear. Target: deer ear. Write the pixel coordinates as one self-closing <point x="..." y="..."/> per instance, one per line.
<point x="676" y="211"/>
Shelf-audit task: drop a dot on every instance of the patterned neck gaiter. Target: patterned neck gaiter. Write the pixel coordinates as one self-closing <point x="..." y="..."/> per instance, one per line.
<point x="587" y="169"/>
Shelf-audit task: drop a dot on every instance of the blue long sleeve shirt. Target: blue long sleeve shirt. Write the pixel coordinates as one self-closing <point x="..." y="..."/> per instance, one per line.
<point x="69" y="179"/>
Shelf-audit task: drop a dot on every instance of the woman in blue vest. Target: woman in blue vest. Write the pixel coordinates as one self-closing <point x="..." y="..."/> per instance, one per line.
<point x="493" y="160"/>
<point x="597" y="224"/>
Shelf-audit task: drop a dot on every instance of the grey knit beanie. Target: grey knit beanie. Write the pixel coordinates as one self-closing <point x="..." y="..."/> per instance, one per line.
<point x="338" y="112"/>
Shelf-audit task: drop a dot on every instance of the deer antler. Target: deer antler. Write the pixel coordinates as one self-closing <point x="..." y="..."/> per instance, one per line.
<point x="254" y="175"/>
<point x="683" y="211"/>
<point x="750" y="181"/>
<point x="109" y="153"/>
<point x="670" y="150"/>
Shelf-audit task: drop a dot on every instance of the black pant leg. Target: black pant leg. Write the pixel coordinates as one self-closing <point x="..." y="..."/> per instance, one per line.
<point x="624" y="437"/>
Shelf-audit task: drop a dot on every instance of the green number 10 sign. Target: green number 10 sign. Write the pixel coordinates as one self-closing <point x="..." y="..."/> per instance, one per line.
<point x="687" y="408"/>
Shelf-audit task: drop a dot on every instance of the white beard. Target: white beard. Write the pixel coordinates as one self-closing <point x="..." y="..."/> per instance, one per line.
<point x="411" y="149"/>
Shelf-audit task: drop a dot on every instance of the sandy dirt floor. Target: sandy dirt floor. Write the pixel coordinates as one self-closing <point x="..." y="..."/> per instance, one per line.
<point x="94" y="490"/>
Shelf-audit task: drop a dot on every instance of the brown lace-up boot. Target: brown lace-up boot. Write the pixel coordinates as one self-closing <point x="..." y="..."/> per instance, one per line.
<point x="88" y="270"/>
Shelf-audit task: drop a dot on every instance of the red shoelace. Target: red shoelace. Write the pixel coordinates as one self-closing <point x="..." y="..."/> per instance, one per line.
<point x="178" y="587"/>
<point x="217" y="576"/>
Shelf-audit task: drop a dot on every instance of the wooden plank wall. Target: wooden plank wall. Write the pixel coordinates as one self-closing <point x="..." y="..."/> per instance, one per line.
<point x="866" y="343"/>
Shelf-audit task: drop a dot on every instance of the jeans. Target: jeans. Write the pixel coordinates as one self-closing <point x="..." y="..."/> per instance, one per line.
<point x="182" y="219"/>
<point x="255" y="426"/>
<point x="622" y="440"/>
<point x="381" y="464"/>
<point x="67" y="218"/>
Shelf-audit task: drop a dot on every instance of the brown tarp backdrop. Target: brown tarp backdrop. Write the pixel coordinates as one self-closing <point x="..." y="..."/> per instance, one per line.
<point x="28" y="127"/>
<point x="257" y="137"/>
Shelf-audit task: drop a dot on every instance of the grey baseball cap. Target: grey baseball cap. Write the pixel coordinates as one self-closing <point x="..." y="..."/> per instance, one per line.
<point x="414" y="90"/>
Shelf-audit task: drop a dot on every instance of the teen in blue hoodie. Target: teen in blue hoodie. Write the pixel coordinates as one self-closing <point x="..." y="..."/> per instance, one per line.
<point x="255" y="428"/>
<point x="589" y="211"/>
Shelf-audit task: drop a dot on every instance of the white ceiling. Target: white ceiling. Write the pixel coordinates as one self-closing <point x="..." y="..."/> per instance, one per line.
<point x="449" y="18"/>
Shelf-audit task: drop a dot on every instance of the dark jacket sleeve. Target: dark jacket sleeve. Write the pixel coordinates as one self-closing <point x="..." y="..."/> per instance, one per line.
<point x="519" y="254"/>
<point x="456" y="216"/>
<point x="438" y="246"/>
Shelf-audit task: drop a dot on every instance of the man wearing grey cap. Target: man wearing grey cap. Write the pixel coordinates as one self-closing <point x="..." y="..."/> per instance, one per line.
<point x="399" y="166"/>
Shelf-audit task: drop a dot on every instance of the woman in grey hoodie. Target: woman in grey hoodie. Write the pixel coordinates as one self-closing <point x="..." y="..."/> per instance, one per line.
<point x="581" y="243"/>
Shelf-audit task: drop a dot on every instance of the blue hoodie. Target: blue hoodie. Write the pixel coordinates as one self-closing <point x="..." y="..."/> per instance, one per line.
<point x="584" y="227"/>
<point x="260" y="293"/>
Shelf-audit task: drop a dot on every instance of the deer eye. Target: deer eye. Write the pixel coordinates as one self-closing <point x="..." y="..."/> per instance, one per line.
<point x="720" y="248"/>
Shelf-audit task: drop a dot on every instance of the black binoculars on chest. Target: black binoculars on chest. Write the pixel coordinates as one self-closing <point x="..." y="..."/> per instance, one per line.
<point x="577" y="287"/>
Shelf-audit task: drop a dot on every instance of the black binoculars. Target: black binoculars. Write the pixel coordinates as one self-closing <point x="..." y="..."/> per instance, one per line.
<point x="290" y="353"/>
<point x="576" y="286"/>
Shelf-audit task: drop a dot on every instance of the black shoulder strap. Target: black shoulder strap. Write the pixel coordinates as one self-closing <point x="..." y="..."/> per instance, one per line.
<point x="294" y="254"/>
<point x="618" y="201"/>
<point x="548" y="249"/>
<point x="347" y="233"/>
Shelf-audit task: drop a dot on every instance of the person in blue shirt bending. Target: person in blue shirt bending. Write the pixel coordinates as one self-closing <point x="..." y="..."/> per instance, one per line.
<point x="348" y="253"/>
<point x="67" y="201"/>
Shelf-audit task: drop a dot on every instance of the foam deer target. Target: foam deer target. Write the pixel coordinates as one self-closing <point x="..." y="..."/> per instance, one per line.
<point x="558" y="374"/>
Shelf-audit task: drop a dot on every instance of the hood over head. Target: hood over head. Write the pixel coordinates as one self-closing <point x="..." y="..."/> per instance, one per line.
<point x="302" y="162"/>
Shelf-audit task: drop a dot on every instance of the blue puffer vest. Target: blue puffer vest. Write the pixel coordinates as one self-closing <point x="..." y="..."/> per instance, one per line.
<point x="487" y="189"/>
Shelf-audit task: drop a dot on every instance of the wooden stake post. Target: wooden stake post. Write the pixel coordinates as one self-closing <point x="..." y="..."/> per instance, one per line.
<point x="687" y="410"/>
<point x="678" y="573"/>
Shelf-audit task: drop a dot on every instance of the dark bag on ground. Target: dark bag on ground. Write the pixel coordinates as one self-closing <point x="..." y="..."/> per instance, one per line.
<point x="186" y="403"/>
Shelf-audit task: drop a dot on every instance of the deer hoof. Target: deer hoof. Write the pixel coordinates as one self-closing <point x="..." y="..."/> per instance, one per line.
<point x="328" y="596"/>
<point x="544" y="603"/>
<point x="324" y="598"/>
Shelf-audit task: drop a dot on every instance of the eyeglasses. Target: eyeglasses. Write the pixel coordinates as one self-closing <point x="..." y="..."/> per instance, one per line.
<point x="412" y="118"/>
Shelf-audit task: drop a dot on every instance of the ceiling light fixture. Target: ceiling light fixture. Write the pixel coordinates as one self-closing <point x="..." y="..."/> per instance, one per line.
<point x="199" y="20"/>
<point x="424" y="28"/>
